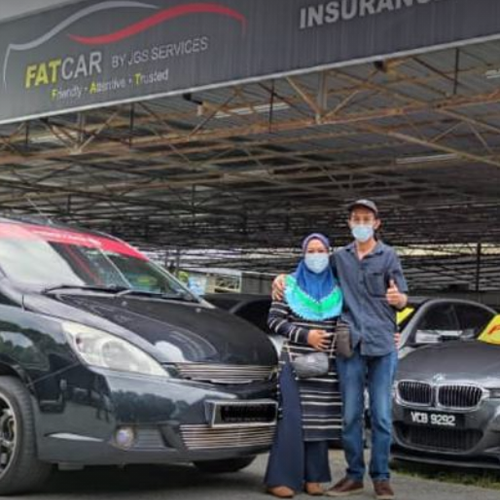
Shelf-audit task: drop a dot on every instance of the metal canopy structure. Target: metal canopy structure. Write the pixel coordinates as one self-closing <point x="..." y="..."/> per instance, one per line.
<point x="252" y="168"/>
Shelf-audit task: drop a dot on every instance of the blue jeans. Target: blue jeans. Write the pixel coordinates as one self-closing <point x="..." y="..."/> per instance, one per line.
<point x="375" y="373"/>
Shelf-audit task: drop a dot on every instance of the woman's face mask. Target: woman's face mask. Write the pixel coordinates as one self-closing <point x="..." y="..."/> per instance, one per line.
<point x="316" y="262"/>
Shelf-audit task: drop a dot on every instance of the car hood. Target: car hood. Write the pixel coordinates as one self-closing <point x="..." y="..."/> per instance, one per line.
<point x="177" y="331"/>
<point x="462" y="360"/>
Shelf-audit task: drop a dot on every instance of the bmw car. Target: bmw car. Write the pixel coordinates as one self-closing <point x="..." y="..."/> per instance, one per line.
<point x="107" y="359"/>
<point x="447" y="402"/>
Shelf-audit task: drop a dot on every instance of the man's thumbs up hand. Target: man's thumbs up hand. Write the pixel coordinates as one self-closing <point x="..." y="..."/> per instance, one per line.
<point x="394" y="296"/>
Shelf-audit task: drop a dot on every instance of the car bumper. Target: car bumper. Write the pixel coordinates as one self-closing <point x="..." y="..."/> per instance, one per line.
<point x="469" y="462"/>
<point x="169" y="419"/>
<point x="476" y="442"/>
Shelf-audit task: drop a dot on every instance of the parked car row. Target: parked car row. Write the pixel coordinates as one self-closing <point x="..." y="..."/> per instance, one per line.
<point x="105" y="358"/>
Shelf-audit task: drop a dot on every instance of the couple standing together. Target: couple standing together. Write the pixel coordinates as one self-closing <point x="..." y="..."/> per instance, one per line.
<point x="362" y="285"/>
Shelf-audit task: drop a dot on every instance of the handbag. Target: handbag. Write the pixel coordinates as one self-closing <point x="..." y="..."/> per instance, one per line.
<point x="314" y="364"/>
<point x="343" y="344"/>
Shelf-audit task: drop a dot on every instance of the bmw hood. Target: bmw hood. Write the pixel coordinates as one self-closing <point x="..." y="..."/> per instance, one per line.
<point x="177" y="331"/>
<point x="454" y="361"/>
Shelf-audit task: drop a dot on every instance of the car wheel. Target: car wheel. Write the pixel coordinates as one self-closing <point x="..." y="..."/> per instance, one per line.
<point x="20" y="470"/>
<point x="221" y="466"/>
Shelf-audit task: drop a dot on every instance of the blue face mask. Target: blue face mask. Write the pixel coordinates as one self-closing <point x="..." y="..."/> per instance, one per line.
<point x="317" y="262"/>
<point x="363" y="232"/>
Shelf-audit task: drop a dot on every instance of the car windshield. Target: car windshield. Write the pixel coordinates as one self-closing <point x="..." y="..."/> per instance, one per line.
<point x="47" y="257"/>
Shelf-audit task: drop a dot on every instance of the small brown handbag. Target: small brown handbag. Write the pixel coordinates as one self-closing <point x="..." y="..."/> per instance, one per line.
<point x="343" y="345"/>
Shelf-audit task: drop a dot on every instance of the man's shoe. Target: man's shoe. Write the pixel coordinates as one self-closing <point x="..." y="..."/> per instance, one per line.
<point x="345" y="487"/>
<point x="383" y="490"/>
<point x="314" y="489"/>
<point x="281" y="491"/>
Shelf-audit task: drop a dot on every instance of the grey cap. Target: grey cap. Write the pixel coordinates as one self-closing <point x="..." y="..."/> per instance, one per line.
<point x="370" y="205"/>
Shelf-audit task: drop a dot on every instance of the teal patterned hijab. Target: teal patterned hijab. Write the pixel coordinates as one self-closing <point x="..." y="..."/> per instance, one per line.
<point x="313" y="296"/>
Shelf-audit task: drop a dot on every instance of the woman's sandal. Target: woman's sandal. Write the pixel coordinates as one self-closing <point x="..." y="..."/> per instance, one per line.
<point x="314" y="489"/>
<point x="281" y="492"/>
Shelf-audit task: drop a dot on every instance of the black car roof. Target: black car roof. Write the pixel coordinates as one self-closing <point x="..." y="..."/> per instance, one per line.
<point x="418" y="300"/>
<point x="414" y="301"/>
<point x="231" y="298"/>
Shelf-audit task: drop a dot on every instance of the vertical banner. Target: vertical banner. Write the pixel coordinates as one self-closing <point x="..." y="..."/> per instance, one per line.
<point x="95" y="53"/>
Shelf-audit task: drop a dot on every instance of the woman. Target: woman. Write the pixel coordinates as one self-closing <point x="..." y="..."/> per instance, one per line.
<point x="310" y="408"/>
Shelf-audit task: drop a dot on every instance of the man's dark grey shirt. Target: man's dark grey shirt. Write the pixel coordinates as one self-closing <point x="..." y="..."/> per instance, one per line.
<point x="364" y="284"/>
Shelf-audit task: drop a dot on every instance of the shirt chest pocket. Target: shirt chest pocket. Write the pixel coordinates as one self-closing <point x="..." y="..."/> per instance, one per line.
<point x="375" y="284"/>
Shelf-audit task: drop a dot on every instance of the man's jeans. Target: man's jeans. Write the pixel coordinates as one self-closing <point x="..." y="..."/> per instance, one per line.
<point x="375" y="373"/>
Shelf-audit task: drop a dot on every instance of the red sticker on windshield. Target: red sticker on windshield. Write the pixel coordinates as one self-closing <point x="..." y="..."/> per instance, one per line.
<point x="34" y="232"/>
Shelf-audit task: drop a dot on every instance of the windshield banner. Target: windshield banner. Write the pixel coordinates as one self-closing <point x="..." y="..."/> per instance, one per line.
<point x="63" y="236"/>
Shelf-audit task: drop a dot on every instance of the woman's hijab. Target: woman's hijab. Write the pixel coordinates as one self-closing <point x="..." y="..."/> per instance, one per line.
<point x="313" y="296"/>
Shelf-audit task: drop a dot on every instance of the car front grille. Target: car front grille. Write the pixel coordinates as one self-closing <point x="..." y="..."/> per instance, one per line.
<point x="417" y="393"/>
<point x="203" y="437"/>
<point x="225" y="374"/>
<point x="451" y="440"/>
<point x="459" y="396"/>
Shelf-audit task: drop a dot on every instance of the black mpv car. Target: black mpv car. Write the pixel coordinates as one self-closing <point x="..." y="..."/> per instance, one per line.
<point x="105" y="358"/>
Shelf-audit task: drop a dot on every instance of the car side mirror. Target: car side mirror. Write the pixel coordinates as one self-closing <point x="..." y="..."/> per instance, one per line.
<point x="424" y="337"/>
<point x="469" y="334"/>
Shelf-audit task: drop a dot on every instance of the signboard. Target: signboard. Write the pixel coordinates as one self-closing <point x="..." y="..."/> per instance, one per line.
<point x="94" y="53"/>
<point x="491" y="334"/>
<point x="405" y="313"/>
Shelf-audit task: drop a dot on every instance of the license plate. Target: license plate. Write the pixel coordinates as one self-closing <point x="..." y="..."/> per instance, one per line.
<point x="241" y="413"/>
<point x="433" y="419"/>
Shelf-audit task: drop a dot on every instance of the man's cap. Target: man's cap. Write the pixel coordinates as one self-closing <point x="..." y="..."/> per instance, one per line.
<point x="370" y="205"/>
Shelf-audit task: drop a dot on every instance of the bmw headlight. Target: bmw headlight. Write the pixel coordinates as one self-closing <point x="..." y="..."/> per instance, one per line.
<point x="494" y="393"/>
<point x="103" y="350"/>
<point x="394" y="390"/>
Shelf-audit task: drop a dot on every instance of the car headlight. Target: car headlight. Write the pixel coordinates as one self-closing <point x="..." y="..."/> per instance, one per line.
<point x="104" y="350"/>
<point x="394" y="390"/>
<point x="494" y="393"/>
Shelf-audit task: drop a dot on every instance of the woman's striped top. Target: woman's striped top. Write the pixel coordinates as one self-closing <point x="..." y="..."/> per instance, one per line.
<point x="321" y="403"/>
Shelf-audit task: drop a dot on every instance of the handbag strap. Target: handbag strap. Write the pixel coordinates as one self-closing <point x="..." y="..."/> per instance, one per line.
<point x="333" y="345"/>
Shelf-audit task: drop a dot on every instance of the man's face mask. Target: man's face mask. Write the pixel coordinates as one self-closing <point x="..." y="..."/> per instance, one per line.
<point x="363" y="232"/>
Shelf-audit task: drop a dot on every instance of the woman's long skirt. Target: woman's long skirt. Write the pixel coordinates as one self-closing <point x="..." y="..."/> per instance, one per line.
<point x="293" y="461"/>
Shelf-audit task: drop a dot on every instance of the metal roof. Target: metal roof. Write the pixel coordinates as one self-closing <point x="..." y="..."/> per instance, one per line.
<point x="259" y="165"/>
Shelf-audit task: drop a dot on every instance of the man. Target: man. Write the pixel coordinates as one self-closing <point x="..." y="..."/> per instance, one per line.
<point x="374" y="287"/>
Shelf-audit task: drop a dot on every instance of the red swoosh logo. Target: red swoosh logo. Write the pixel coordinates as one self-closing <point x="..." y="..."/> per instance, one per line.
<point x="158" y="18"/>
<point x="494" y="329"/>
